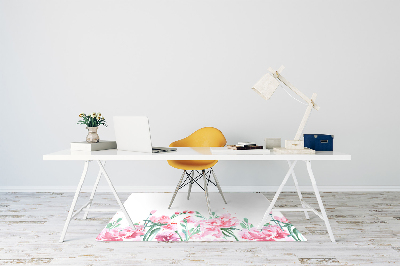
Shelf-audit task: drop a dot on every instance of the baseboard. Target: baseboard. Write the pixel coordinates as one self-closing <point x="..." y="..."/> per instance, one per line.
<point x="196" y="189"/>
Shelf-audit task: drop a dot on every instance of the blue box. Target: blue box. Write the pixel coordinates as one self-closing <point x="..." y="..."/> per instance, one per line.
<point x="318" y="142"/>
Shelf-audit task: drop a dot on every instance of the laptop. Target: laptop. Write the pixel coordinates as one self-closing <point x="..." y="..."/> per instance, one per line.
<point x="133" y="134"/>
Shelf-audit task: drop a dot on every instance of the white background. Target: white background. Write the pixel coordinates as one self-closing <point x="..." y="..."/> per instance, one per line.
<point x="191" y="64"/>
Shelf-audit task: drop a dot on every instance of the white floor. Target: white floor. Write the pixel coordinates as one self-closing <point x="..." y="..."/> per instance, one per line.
<point x="366" y="227"/>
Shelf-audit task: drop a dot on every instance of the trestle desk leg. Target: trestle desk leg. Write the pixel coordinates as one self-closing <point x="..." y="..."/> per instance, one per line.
<point x="71" y="210"/>
<point x="271" y="205"/>
<point x="321" y="205"/>
<point x="116" y="195"/>
<point x="93" y="192"/>
<point x="298" y="191"/>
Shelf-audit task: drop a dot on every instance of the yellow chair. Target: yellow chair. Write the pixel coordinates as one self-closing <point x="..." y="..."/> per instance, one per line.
<point x="204" y="137"/>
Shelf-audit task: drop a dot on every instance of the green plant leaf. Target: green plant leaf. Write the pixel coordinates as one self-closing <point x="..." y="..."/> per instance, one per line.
<point x="109" y="225"/>
<point x="146" y="236"/>
<point x="246" y="220"/>
<point x="296" y="232"/>
<point x="186" y="235"/>
<point x="153" y="233"/>
<point x="179" y="235"/>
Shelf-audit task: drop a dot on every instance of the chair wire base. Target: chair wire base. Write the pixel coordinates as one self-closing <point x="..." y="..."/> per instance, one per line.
<point x="192" y="177"/>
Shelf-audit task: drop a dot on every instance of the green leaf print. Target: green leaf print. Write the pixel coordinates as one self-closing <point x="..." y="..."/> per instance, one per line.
<point x="153" y="233"/>
<point x="146" y="236"/>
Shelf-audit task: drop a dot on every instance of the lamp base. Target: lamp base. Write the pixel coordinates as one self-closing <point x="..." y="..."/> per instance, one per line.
<point x="294" y="144"/>
<point x="293" y="151"/>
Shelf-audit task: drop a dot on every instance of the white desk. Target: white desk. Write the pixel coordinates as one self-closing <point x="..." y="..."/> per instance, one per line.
<point x="193" y="154"/>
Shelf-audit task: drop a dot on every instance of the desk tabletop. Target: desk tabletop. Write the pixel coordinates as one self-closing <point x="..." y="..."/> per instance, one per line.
<point x="186" y="153"/>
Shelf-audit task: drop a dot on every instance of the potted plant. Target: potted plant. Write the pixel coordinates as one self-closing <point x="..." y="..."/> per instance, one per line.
<point x="92" y="123"/>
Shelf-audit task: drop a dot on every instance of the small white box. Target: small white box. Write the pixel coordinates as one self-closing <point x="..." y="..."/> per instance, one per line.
<point x="271" y="143"/>
<point x="86" y="146"/>
<point x="294" y="144"/>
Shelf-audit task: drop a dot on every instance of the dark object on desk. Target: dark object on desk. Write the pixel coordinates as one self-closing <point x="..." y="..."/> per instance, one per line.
<point x="318" y="142"/>
<point x="162" y="149"/>
<point x="250" y="147"/>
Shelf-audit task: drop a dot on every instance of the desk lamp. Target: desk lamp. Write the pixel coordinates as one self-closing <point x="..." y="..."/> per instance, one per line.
<point x="266" y="86"/>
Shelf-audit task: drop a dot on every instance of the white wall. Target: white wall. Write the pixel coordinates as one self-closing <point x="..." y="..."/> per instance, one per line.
<point x="190" y="64"/>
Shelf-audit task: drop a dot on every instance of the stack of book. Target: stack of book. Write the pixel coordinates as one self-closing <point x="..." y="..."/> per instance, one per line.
<point x="245" y="146"/>
<point x="98" y="146"/>
<point x="240" y="148"/>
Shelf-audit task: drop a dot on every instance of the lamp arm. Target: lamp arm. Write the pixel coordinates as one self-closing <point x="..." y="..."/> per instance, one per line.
<point x="293" y="88"/>
<point x="305" y="117"/>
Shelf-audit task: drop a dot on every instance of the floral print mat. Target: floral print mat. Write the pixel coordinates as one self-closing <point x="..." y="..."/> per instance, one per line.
<point x="235" y="221"/>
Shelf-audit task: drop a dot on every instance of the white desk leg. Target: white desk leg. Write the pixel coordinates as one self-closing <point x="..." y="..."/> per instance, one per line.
<point x="321" y="205"/>
<point x="259" y="226"/>
<point x="115" y="194"/>
<point x="93" y="192"/>
<point x="299" y="192"/>
<point x="71" y="210"/>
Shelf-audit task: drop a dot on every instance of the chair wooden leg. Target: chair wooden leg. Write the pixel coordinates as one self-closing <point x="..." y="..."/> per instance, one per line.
<point x="176" y="190"/>
<point x="218" y="186"/>
<point x="190" y="184"/>
<point x="206" y="191"/>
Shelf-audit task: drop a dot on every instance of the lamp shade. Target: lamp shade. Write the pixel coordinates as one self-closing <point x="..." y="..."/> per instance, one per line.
<point x="266" y="86"/>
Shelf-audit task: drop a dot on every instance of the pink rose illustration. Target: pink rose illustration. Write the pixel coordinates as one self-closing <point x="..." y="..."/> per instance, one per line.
<point x="190" y="219"/>
<point x="171" y="226"/>
<point x="224" y="221"/>
<point x="212" y="227"/>
<point x="119" y="235"/>
<point x="152" y="212"/>
<point x="281" y="219"/>
<point x="161" y="219"/>
<point x="109" y="235"/>
<point x="167" y="236"/>
<point x="133" y="234"/>
<point x="269" y="233"/>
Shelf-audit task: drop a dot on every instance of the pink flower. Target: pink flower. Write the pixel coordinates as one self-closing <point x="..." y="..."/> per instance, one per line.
<point x="167" y="236"/>
<point x="184" y="212"/>
<point x="269" y="233"/>
<point x="132" y="234"/>
<point x="120" y="235"/>
<point x="191" y="212"/>
<point x="212" y="227"/>
<point x="172" y="227"/>
<point x="177" y="213"/>
<point x="208" y="230"/>
<point x="190" y="219"/>
<point x="161" y="219"/>
<point x="109" y="235"/>
<point x="152" y="212"/>
<point x="281" y="219"/>
<point x="224" y="221"/>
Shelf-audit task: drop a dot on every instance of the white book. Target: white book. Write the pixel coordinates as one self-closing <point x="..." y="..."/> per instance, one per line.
<point x="86" y="146"/>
